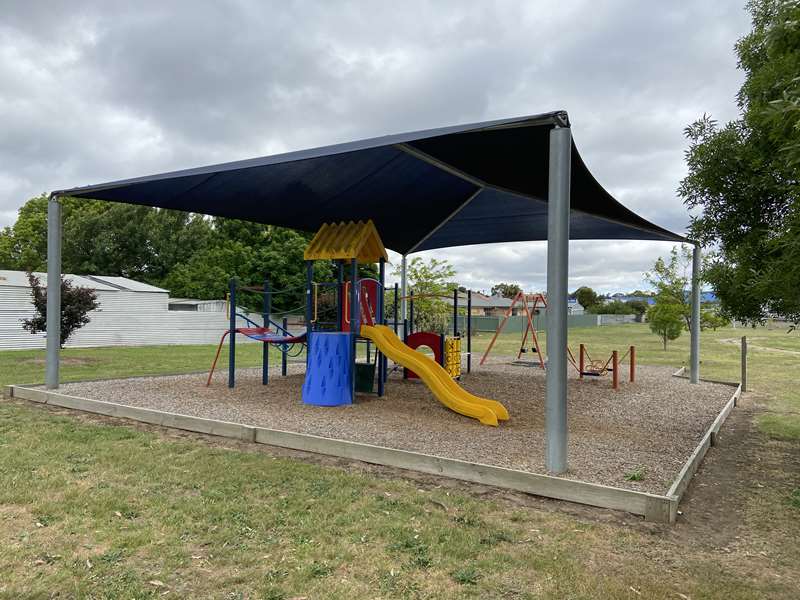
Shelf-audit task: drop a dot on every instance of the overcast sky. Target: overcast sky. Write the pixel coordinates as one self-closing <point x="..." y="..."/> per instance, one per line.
<point x="97" y="91"/>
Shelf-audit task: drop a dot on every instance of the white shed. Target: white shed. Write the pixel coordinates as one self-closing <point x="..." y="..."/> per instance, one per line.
<point x="130" y="313"/>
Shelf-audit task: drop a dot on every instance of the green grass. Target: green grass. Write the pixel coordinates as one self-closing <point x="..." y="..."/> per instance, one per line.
<point x="92" y="510"/>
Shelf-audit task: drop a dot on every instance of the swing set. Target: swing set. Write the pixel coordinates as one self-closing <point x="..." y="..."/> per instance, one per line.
<point x="536" y="301"/>
<point x="585" y="365"/>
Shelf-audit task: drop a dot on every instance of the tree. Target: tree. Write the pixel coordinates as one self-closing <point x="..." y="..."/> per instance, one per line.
<point x="586" y="297"/>
<point x="744" y="175"/>
<point x="431" y="282"/>
<point x="615" y="307"/>
<point x="638" y="307"/>
<point x="666" y="320"/>
<point x="671" y="280"/>
<point x="76" y="304"/>
<point x="189" y="254"/>
<point x="506" y="290"/>
<point x="711" y="319"/>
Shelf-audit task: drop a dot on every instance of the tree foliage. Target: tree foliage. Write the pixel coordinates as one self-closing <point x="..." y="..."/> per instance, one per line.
<point x="744" y="175"/>
<point x="431" y="282"/>
<point x="506" y="290"/>
<point x="666" y="320"/>
<point x="670" y="279"/>
<point x="586" y="297"/>
<point x="189" y="254"/>
<point x="76" y="304"/>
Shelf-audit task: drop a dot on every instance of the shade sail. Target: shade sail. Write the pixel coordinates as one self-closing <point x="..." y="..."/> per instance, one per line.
<point x="454" y="186"/>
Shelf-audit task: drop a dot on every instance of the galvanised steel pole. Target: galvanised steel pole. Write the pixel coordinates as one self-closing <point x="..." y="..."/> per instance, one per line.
<point x="558" y="202"/>
<point x="53" y="292"/>
<point x="694" y="348"/>
<point x="403" y="291"/>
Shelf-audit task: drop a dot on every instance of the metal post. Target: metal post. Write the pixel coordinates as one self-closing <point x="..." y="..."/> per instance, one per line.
<point x="615" y="369"/>
<point x="340" y="296"/>
<point x="396" y="313"/>
<point x="283" y="354"/>
<point x="354" y="325"/>
<point x="581" y="360"/>
<point x="744" y="363"/>
<point x="558" y="206"/>
<point x="232" y="333"/>
<point x="265" y="349"/>
<point x="455" y="312"/>
<point x="381" y="359"/>
<point x="469" y="331"/>
<point x="53" y="292"/>
<point x="632" y="369"/>
<point x="403" y="290"/>
<point x="411" y="312"/>
<point x="694" y="351"/>
<point x="309" y="285"/>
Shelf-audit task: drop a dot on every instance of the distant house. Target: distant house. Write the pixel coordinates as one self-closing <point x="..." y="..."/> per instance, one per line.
<point x="130" y="313"/>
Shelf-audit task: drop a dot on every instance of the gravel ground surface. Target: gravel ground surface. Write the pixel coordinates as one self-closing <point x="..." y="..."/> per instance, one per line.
<point x="650" y="426"/>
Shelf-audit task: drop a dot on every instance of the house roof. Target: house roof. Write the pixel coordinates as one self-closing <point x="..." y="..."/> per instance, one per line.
<point x="94" y="282"/>
<point x="453" y="186"/>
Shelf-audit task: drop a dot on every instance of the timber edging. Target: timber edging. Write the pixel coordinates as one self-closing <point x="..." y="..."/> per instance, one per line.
<point x="653" y="507"/>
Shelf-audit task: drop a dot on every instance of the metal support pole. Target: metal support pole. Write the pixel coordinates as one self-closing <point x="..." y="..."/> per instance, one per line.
<point x="340" y="296"/>
<point x="455" y="312"/>
<point x="354" y="324"/>
<point x="469" y="331"/>
<point x="403" y="290"/>
<point x="411" y="312"/>
<point x="632" y="369"/>
<point x="309" y="286"/>
<point x="694" y="351"/>
<point x="396" y="310"/>
<point x="232" y="333"/>
<point x="53" y="292"/>
<point x="265" y="349"/>
<point x="283" y="354"/>
<point x="744" y="363"/>
<point x="381" y="359"/>
<point x="558" y="205"/>
<point x="581" y="360"/>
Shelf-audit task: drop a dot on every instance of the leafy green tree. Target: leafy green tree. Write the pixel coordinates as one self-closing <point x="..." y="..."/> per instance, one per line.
<point x="712" y="319"/>
<point x="614" y="307"/>
<point x="76" y="304"/>
<point x="432" y="283"/>
<point x="586" y="297"/>
<point x="506" y="290"/>
<point x="671" y="278"/>
<point x="744" y="175"/>
<point x="666" y="320"/>
<point x="638" y="307"/>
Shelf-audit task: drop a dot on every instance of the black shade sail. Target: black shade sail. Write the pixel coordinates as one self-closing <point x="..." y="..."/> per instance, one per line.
<point x="455" y="186"/>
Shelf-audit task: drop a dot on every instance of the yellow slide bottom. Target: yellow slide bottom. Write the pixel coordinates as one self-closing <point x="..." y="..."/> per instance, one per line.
<point x="447" y="391"/>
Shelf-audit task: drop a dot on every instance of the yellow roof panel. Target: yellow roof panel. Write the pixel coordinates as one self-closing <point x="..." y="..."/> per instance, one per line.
<point x="346" y="241"/>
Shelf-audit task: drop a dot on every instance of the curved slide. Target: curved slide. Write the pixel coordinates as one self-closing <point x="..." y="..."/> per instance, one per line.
<point x="447" y="391"/>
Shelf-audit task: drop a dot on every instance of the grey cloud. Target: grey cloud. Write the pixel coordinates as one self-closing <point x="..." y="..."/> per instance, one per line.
<point x="97" y="90"/>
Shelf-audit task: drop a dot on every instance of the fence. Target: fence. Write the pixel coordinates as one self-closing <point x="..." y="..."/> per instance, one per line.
<point x="516" y="324"/>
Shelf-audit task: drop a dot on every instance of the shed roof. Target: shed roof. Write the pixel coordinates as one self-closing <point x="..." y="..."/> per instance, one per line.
<point x="453" y="186"/>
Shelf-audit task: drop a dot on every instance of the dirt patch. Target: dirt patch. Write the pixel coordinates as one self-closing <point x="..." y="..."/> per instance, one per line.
<point x="650" y="426"/>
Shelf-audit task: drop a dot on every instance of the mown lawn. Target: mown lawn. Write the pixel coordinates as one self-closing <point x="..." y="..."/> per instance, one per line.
<point x="98" y="510"/>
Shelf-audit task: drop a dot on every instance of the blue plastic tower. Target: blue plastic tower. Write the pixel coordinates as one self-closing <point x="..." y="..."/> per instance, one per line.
<point x="329" y="380"/>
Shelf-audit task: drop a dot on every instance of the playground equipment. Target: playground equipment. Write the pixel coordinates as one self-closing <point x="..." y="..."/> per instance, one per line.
<point x="290" y="345"/>
<point x="332" y="372"/>
<point x="536" y="301"/>
<point x="446" y="349"/>
<point x="587" y="367"/>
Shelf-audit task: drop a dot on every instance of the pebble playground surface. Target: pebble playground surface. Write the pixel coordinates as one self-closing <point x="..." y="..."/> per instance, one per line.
<point x="636" y="438"/>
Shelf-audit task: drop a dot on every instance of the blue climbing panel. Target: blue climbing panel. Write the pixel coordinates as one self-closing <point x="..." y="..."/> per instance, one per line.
<point x="329" y="373"/>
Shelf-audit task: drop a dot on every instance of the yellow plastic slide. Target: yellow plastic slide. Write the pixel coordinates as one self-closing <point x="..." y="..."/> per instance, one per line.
<point x="447" y="391"/>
